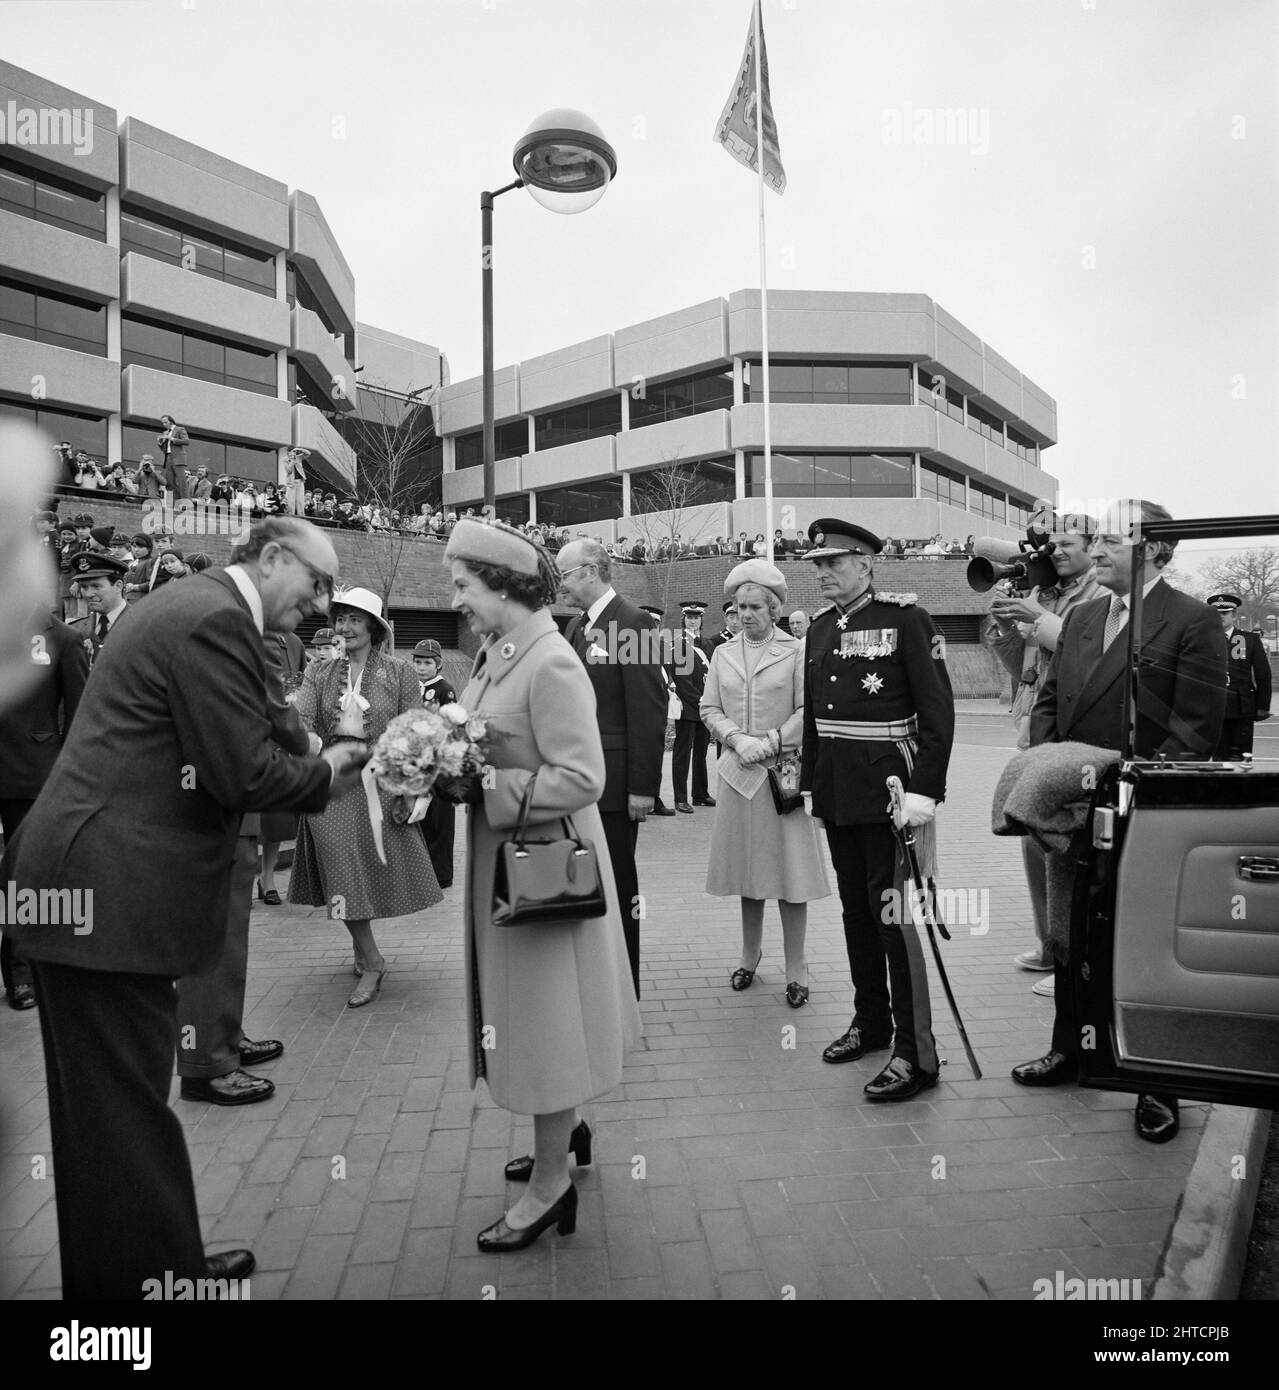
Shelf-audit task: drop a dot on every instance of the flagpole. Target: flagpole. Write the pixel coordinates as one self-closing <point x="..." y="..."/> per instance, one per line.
<point x="763" y="289"/>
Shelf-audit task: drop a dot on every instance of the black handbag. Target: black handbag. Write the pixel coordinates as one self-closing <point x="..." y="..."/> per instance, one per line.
<point x="545" y="880"/>
<point x="783" y="781"/>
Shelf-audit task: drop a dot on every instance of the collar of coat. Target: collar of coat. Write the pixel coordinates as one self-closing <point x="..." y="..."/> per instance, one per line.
<point x="500" y="655"/>
<point x="781" y="645"/>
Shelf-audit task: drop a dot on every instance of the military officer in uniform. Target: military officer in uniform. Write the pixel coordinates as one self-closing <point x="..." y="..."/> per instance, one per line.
<point x="730" y="629"/>
<point x="101" y="581"/>
<point x="877" y="704"/>
<point x="1248" y="697"/>
<point x="687" y="670"/>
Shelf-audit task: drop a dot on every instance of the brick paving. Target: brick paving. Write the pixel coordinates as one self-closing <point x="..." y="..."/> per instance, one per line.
<point x="731" y="1162"/>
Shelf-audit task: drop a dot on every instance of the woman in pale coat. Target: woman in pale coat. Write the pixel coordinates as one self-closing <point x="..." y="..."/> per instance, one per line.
<point x="551" y="1009"/>
<point x="753" y="705"/>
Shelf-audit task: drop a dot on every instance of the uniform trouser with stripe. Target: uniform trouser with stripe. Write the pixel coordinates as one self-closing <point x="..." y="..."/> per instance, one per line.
<point x="883" y="949"/>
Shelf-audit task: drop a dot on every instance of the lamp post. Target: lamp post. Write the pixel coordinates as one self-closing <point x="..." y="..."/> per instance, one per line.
<point x="566" y="164"/>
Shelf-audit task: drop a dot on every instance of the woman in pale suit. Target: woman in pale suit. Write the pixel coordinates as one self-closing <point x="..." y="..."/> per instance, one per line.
<point x="753" y="705"/>
<point x="551" y="1009"/>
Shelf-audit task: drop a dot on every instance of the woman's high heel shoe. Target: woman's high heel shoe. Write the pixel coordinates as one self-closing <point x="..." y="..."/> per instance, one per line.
<point x="499" y="1238"/>
<point x="370" y="984"/>
<point x="742" y="978"/>
<point x="579" y="1145"/>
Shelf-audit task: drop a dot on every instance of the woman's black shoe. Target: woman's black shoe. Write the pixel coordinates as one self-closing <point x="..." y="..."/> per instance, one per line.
<point x="499" y="1238"/>
<point x="579" y="1145"/>
<point x="796" y="994"/>
<point x="741" y="978"/>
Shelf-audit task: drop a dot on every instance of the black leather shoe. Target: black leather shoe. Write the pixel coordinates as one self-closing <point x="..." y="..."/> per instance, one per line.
<point x="1052" y="1069"/>
<point x="579" y="1145"/>
<point x="1157" y="1118"/>
<point x="742" y="978"/>
<point x="661" y="811"/>
<point x="498" y="1238"/>
<point x="231" y="1264"/>
<point x="796" y="994"/>
<point x="253" y="1054"/>
<point x="684" y="807"/>
<point x="22" y="997"/>
<point x="235" y="1088"/>
<point x="852" y="1044"/>
<point x="705" y="801"/>
<point x="899" y="1080"/>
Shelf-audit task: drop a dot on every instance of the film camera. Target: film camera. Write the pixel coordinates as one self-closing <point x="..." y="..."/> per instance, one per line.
<point x="1022" y="565"/>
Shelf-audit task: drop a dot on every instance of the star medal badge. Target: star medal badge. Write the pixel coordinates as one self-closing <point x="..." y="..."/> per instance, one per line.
<point x="871" y="683"/>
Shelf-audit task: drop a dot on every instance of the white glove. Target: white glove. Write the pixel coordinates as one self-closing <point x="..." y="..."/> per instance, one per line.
<point x="917" y="810"/>
<point x="750" y="750"/>
<point x="315" y="744"/>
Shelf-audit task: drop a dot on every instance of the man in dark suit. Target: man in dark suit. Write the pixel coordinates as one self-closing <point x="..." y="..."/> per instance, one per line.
<point x="687" y="671"/>
<point x="660" y="808"/>
<point x="615" y="641"/>
<point x="138" y="820"/>
<point x="1248" y="697"/>
<point x="101" y="580"/>
<point x="31" y="734"/>
<point x="1180" y="704"/>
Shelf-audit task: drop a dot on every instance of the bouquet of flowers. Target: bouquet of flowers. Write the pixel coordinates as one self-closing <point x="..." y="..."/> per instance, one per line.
<point x="425" y="744"/>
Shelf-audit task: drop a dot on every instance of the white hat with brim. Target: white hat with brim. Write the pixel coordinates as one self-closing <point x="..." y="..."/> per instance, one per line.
<point x="759" y="572"/>
<point x="364" y="601"/>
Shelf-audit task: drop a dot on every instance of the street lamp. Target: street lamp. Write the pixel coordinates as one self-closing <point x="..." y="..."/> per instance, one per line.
<point x="566" y="164"/>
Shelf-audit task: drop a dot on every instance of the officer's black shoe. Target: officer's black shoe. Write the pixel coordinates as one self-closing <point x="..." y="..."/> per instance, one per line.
<point x="705" y="801"/>
<point x="1157" y="1119"/>
<point x="660" y="810"/>
<point x="899" y="1080"/>
<point x="1052" y="1069"/>
<point x="852" y="1044"/>
<point x="22" y="997"/>
<point x="684" y="807"/>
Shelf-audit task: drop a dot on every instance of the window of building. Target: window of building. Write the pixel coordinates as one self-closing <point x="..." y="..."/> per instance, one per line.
<point x="168" y="349"/>
<point x="987" y="502"/>
<point x="1023" y="446"/>
<point x="590" y="420"/>
<point x="87" y="432"/>
<point x="830" y="383"/>
<point x="397" y="446"/>
<point x="307" y="389"/>
<point x="833" y="475"/>
<point x="689" y="395"/>
<point x="45" y="317"/>
<point x="941" y="397"/>
<point x="219" y="456"/>
<point x="581" y="504"/>
<point x="942" y="484"/>
<point x="164" y="239"/>
<point x="509" y="442"/>
<point x="47" y="198"/>
<point x="1019" y="512"/>
<point x="985" y="423"/>
<point x="297" y="292"/>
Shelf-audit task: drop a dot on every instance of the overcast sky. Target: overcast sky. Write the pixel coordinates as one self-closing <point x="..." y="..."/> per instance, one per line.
<point x="1111" y="227"/>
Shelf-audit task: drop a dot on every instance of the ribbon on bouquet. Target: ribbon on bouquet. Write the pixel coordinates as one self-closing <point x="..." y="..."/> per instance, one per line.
<point x="369" y="778"/>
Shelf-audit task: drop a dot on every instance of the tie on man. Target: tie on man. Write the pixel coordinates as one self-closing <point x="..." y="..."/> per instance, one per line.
<point x="1116" y="620"/>
<point x="103" y="627"/>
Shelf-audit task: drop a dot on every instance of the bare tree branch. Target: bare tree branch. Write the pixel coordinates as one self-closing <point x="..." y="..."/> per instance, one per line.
<point x="662" y="511"/>
<point x="1253" y="575"/>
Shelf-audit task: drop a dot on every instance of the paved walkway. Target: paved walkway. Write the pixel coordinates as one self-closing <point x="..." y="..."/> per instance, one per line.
<point x="731" y="1163"/>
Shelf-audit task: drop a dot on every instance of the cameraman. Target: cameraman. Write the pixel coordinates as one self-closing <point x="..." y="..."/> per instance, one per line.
<point x="1023" y="634"/>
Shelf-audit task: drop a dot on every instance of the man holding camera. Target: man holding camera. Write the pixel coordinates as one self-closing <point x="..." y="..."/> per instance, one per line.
<point x="1023" y="634"/>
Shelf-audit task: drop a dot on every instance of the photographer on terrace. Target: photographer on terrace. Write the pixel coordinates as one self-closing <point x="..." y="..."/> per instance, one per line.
<point x="1023" y="633"/>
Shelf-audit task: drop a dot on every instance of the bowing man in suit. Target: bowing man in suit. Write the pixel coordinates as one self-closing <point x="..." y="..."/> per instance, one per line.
<point x="615" y="641"/>
<point x="31" y="734"/>
<point x="1180" y="705"/>
<point x="1248" y="695"/>
<point x="142" y="810"/>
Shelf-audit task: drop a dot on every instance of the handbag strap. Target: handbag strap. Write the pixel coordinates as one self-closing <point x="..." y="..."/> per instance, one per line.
<point x="526" y="804"/>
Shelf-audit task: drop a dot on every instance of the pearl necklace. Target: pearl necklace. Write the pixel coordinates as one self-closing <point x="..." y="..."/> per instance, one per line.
<point x="762" y="642"/>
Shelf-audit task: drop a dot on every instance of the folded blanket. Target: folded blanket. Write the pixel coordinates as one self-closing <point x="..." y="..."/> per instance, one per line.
<point x="1045" y="793"/>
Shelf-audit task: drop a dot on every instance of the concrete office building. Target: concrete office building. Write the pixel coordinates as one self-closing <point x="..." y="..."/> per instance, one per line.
<point x="141" y="275"/>
<point x="885" y="408"/>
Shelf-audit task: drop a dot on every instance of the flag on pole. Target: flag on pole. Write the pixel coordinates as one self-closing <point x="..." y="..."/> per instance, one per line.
<point x="736" y="130"/>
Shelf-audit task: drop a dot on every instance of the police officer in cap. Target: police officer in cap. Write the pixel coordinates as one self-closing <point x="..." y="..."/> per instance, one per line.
<point x="1248" y="698"/>
<point x="877" y="703"/>
<point x="660" y="808"/>
<point x="687" y="671"/>
<point x="101" y="581"/>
